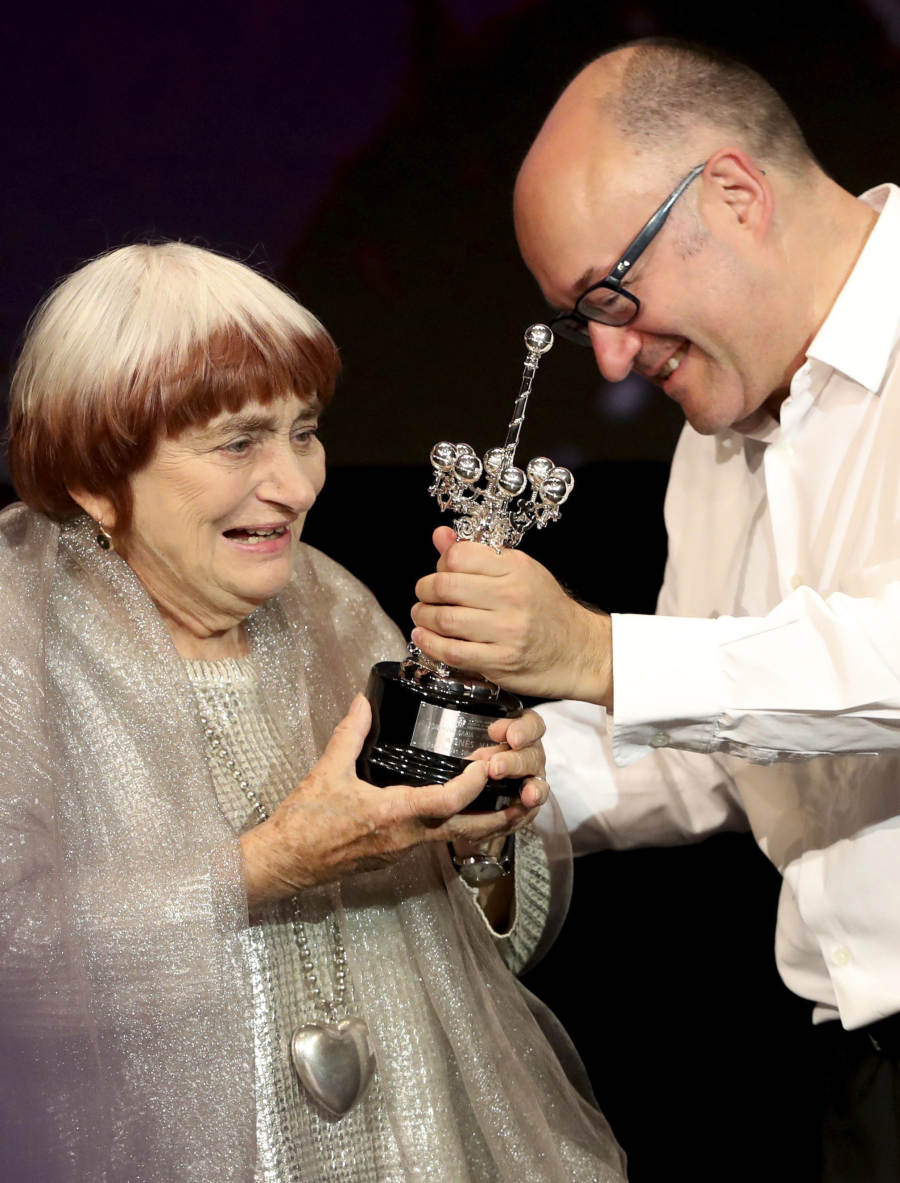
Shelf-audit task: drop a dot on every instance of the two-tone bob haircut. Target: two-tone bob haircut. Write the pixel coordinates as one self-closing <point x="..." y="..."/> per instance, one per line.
<point x="142" y="343"/>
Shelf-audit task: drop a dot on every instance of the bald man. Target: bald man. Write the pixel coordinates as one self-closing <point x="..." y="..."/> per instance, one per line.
<point x="671" y="209"/>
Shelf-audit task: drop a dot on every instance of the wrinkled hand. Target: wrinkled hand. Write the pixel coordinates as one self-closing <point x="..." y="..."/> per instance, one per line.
<point x="506" y="617"/>
<point x="518" y="752"/>
<point x="334" y="824"/>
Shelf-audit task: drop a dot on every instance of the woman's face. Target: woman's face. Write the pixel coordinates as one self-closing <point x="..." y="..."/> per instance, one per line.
<point x="218" y="511"/>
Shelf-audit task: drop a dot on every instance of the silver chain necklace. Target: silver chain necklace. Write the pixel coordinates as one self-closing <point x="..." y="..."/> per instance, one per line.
<point x="333" y="1059"/>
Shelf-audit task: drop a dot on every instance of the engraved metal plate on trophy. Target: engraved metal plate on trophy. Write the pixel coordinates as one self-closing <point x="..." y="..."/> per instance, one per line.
<point x="427" y="718"/>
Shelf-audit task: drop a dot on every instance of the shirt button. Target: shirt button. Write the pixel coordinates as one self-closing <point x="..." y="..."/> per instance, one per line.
<point x="841" y="956"/>
<point x="797" y="581"/>
<point x="659" y="739"/>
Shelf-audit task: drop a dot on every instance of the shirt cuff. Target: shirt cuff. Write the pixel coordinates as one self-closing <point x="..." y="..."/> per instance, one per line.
<point x="668" y="684"/>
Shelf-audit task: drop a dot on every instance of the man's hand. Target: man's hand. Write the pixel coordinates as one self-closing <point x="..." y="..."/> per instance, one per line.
<point x="506" y="617"/>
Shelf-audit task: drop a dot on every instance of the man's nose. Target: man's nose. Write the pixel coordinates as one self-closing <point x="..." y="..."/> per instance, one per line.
<point x="614" y="349"/>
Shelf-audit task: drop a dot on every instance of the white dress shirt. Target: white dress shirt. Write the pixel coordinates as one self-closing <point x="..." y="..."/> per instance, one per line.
<point x="777" y="638"/>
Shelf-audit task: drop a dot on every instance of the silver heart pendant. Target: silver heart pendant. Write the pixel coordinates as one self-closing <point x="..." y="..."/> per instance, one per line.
<point x="334" y="1062"/>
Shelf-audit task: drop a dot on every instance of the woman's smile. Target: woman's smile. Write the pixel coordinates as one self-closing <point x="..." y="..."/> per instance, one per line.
<point x="261" y="540"/>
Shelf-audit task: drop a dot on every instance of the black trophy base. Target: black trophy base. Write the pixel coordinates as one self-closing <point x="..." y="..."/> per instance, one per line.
<point x="424" y="727"/>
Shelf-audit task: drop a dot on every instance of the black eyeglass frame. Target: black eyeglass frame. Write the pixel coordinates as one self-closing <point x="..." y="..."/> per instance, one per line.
<point x="581" y="313"/>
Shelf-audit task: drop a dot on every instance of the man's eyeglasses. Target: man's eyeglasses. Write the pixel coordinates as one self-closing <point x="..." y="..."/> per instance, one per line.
<point x="607" y="302"/>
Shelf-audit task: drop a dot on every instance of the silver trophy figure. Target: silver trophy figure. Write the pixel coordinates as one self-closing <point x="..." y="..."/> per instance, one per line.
<point x="428" y="718"/>
<point x="492" y="515"/>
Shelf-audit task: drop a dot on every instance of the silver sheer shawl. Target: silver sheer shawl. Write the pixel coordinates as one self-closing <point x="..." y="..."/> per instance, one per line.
<point x="125" y="1038"/>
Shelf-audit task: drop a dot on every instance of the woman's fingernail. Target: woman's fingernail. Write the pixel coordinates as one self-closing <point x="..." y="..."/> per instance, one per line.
<point x="499" y="767"/>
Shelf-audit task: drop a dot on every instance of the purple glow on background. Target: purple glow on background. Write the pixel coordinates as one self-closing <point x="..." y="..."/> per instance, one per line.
<point x="225" y="126"/>
<point x="236" y="125"/>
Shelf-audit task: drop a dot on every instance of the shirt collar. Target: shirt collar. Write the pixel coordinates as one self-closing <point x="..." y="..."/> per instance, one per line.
<point x="858" y="335"/>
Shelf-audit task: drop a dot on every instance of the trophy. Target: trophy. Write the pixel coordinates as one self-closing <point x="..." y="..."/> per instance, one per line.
<point x="428" y="718"/>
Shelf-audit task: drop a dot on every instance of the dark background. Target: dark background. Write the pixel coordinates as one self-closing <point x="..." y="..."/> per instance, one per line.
<point x="364" y="154"/>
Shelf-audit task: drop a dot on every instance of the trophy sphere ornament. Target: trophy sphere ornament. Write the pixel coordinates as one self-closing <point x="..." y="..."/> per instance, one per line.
<point x="443" y="456"/>
<point x="539" y="338"/>
<point x="494" y="459"/>
<point x="539" y="469"/>
<point x="467" y="468"/>
<point x="428" y="719"/>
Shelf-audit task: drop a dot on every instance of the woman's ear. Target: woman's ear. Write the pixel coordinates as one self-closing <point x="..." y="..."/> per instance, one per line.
<point x="97" y="505"/>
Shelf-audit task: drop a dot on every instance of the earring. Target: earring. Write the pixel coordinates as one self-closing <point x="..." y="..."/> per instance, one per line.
<point x="104" y="538"/>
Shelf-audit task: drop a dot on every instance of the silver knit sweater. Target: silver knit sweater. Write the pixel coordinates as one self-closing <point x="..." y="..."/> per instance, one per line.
<point x="296" y="1140"/>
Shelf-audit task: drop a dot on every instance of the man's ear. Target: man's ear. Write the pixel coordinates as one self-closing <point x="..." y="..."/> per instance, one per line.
<point x="97" y="505"/>
<point x="737" y="192"/>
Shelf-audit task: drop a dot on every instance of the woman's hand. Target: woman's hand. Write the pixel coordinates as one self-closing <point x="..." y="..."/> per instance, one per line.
<point x="333" y="823"/>
<point x="518" y="753"/>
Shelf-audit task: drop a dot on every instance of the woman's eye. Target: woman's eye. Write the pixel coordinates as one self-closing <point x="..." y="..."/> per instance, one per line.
<point x="305" y="438"/>
<point x="237" y="447"/>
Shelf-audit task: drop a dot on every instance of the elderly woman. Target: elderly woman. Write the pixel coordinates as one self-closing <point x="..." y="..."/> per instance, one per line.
<point x="224" y="957"/>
